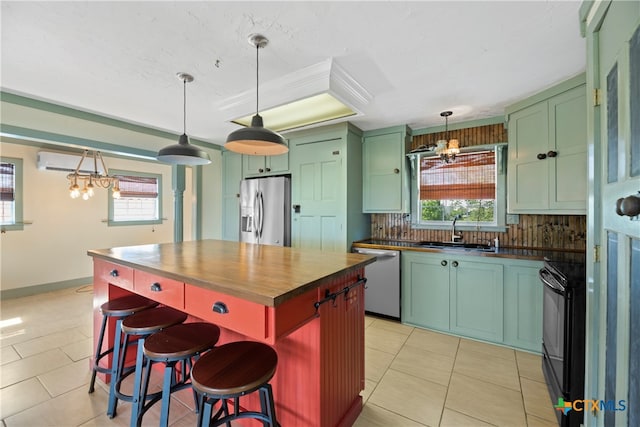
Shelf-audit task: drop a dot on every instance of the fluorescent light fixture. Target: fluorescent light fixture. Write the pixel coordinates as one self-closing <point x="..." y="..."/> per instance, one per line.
<point x="320" y="93"/>
<point x="304" y="112"/>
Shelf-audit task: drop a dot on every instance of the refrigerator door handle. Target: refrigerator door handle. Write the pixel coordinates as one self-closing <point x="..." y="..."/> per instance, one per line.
<point x="256" y="216"/>
<point x="261" y="213"/>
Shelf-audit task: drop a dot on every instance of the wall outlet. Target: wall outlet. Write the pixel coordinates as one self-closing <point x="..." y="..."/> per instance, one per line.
<point x="513" y="219"/>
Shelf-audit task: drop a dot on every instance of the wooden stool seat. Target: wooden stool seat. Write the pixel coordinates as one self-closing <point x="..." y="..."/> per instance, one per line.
<point x="125" y="306"/>
<point x="230" y="371"/>
<point x="175" y="345"/>
<point x="116" y="308"/>
<point x="152" y="321"/>
<point x="141" y="325"/>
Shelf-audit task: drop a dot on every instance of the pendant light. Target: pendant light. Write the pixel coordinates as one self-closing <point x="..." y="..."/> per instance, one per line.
<point x="447" y="148"/>
<point x="184" y="153"/>
<point x="256" y="139"/>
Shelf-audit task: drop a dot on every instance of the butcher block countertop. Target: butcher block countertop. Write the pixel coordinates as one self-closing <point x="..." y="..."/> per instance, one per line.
<point x="267" y="275"/>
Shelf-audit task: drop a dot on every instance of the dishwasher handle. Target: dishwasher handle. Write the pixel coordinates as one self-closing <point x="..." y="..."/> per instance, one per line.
<point x="378" y="253"/>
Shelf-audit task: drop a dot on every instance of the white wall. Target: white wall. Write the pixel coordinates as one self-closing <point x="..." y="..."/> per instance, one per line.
<point x="54" y="248"/>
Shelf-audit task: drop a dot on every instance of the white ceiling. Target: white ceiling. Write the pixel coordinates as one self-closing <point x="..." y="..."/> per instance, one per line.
<point x="416" y="59"/>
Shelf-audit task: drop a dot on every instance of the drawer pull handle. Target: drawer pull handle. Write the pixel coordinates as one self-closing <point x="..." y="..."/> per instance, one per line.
<point x="155" y="287"/>
<point x="220" y="307"/>
<point x="114" y="273"/>
<point x="541" y="156"/>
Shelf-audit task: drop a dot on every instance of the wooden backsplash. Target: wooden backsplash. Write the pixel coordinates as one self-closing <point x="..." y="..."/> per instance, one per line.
<point x="468" y="137"/>
<point x="532" y="231"/>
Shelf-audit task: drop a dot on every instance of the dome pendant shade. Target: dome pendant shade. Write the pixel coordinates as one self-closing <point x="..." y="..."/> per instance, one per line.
<point x="256" y="140"/>
<point x="183" y="153"/>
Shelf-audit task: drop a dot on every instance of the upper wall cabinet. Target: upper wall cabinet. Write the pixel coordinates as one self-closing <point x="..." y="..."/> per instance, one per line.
<point x="547" y="172"/>
<point x="265" y="165"/>
<point x="385" y="170"/>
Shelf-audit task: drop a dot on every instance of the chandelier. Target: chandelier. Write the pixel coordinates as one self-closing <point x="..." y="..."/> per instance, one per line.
<point x="447" y="148"/>
<point x="92" y="180"/>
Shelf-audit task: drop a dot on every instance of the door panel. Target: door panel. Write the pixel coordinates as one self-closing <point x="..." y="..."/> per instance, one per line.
<point x="318" y="188"/>
<point x="611" y="371"/>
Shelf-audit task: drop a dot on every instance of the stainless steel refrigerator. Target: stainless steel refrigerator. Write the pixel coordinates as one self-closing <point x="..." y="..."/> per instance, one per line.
<point x="265" y="211"/>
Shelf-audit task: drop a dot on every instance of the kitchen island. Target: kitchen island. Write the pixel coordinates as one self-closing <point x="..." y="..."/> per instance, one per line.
<point x="308" y="305"/>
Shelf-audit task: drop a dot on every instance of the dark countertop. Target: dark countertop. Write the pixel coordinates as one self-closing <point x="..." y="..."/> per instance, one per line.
<point x="268" y="275"/>
<point x="501" y="252"/>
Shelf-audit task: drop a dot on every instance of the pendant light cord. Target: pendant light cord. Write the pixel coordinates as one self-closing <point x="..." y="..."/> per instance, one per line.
<point x="257" y="68"/>
<point x="184" y="106"/>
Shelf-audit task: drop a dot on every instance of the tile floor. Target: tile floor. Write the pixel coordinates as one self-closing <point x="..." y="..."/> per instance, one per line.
<point x="414" y="377"/>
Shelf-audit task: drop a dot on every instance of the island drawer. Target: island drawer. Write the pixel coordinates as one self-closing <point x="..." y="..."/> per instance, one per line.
<point x="165" y="291"/>
<point x="242" y="316"/>
<point x="115" y="274"/>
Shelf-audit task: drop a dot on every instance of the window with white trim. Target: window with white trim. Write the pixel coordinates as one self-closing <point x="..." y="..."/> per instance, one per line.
<point x="471" y="189"/>
<point x="11" y="193"/>
<point x="139" y="201"/>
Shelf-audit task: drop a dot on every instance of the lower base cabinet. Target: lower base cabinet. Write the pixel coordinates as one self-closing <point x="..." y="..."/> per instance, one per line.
<point x="498" y="300"/>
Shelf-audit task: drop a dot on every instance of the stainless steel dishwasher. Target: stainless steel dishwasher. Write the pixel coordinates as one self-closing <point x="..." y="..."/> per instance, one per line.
<point x="382" y="295"/>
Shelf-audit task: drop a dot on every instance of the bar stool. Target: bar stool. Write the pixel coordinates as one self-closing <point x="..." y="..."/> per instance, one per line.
<point x="142" y="325"/>
<point x="175" y="345"/>
<point x="229" y="372"/>
<point x="118" y="308"/>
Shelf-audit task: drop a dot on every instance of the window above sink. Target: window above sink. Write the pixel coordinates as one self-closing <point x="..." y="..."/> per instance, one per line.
<point x="471" y="188"/>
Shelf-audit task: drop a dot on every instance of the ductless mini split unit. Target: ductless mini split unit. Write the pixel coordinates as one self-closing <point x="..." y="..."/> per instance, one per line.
<point x="66" y="162"/>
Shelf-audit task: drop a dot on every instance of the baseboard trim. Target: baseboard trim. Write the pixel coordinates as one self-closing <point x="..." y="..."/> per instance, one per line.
<point x="45" y="287"/>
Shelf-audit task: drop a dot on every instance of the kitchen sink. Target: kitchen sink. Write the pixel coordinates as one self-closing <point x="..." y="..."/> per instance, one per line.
<point x="475" y="247"/>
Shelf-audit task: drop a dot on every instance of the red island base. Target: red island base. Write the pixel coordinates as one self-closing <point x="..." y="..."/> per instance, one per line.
<point x="320" y="350"/>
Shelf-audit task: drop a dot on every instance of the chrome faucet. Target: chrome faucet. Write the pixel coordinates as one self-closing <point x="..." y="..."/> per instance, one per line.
<point x="455" y="237"/>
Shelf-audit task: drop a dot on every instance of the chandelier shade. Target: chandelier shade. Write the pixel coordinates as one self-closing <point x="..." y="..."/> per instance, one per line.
<point x="447" y="148"/>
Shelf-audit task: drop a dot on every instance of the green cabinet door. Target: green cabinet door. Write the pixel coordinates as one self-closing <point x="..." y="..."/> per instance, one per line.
<point x="523" y="305"/>
<point x="385" y="173"/>
<point x="568" y="136"/>
<point x="477" y="299"/>
<point x="425" y="290"/>
<point x="547" y="171"/>
<point x="231" y="177"/>
<point x="265" y="165"/>
<point x="528" y="187"/>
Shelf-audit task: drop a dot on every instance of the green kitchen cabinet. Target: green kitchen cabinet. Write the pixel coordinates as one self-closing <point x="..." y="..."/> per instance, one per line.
<point x="453" y="293"/>
<point x="425" y="291"/>
<point x="523" y="304"/>
<point x="547" y="169"/>
<point x="386" y="172"/>
<point x="326" y="188"/>
<point x="253" y="166"/>
<point x="231" y="177"/>
<point x="476" y="289"/>
<point x="498" y="300"/>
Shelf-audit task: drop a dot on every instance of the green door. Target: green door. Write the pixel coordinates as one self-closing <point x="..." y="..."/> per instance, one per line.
<point x="317" y="196"/>
<point x="613" y="285"/>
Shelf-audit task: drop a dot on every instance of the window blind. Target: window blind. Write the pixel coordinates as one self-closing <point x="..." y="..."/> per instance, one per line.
<point x="138" y="187"/>
<point x="7" y="182"/>
<point x="471" y="176"/>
